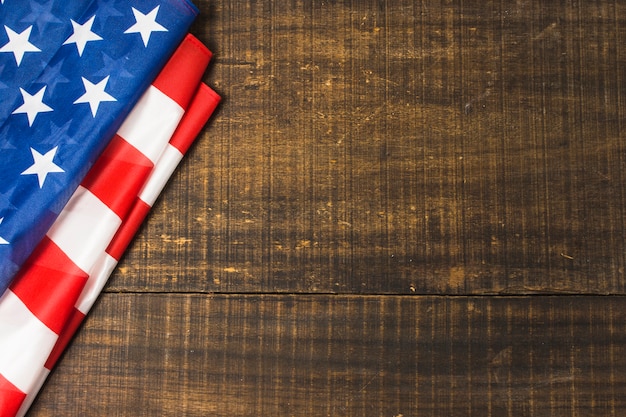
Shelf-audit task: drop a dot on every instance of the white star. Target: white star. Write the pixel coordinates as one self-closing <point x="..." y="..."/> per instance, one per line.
<point x="19" y="43"/>
<point x="43" y="165"/>
<point x="3" y="241"/>
<point x="146" y="24"/>
<point x="95" y="94"/>
<point x="33" y="105"/>
<point x="82" y="34"/>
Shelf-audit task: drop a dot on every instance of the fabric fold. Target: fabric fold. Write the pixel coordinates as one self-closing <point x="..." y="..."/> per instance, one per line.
<point x="40" y="303"/>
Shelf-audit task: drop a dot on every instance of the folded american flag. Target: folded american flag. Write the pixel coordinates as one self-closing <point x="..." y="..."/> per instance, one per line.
<point x="70" y="71"/>
<point x="59" y="282"/>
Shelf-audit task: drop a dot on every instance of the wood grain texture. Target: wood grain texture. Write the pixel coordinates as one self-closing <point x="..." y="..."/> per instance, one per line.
<point x="193" y="355"/>
<point x="401" y="208"/>
<point x="400" y="147"/>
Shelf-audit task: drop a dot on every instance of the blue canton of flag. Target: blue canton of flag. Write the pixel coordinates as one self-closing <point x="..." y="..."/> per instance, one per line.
<point x="70" y="71"/>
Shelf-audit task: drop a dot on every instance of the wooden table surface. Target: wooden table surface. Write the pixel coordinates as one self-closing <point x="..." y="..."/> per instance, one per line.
<point x="401" y="208"/>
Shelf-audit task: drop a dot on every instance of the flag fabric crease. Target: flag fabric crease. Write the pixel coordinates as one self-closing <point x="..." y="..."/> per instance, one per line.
<point x="70" y="72"/>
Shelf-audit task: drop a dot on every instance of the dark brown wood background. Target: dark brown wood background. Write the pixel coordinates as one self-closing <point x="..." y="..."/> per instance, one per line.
<point x="401" y="208"/>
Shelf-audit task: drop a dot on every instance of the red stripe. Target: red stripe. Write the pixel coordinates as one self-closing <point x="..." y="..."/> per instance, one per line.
<point x="183" y="72"/>
<point x="127" y="230"/>
<point x="71" y="326"/>
<point x="11" y="398"/>
<point x="49" y="284"/>
<point x="118" y="175"/>
<point x="203" y="105"/>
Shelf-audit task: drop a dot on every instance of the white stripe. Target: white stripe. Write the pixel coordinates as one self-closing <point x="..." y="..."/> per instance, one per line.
<point x="160" y="175"/>
<point x="30" y="397"/>
<point x="84" y="228"/>
<point x="99" y="275"/>
<point x="25" y="342"/>
<point x="151" y="123"/>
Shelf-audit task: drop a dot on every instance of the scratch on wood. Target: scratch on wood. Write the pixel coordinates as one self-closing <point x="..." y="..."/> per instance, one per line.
<point x="546" y="32"/>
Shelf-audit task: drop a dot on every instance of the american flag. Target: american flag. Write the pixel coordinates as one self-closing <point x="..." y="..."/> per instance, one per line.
<point x="51" y="294"/>
<point x="58" y="279"/>
<point x="70" y="71"/>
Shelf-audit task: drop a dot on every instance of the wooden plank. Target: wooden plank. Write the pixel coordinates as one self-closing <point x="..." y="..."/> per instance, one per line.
<point x="401" y="147"/>
<point x="197" y="355"/>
